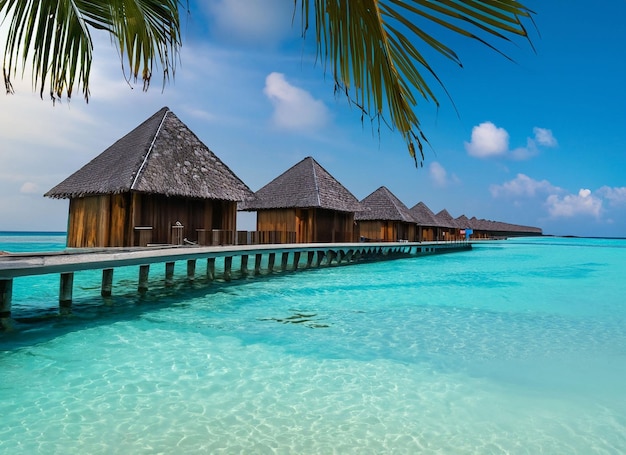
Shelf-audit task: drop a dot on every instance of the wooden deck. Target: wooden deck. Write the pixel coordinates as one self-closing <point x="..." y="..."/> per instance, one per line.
<point x="277" y="258"/>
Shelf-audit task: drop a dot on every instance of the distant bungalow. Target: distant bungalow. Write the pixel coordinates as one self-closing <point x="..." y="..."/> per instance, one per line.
<point x="449" y="229"/>
<point x="427" y="224"/>
<point x="158" y="184"/>
<point x="304" y="204"/>
<point x="385" y="218"/>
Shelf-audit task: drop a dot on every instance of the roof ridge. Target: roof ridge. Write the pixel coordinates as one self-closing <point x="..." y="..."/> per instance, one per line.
<point x="145" y="160"/>
<point x="315" y="181"/>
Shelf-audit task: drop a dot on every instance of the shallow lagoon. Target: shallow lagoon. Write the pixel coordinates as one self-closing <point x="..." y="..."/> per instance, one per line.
<point x="515" y="347"/>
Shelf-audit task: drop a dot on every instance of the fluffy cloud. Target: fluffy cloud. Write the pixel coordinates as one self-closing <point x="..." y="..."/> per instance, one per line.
<point x="615" y="196"/>
<point x="583" y="203"/>
<point x="439" y="175"/>
<point x="294" y="108"/>
<point x="488" y="140"/>
<point x="544" y="137"/>
<point x="558" y="202"/>
<point x="522" y="185"/>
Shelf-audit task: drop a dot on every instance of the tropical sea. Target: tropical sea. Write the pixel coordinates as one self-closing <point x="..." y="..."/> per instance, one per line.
<point x="517" y="346"/>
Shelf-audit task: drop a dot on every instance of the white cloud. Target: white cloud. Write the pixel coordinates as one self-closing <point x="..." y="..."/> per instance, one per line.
<point x="524" y="153"/>
<point x="251" y="22"/>
<point x="294" y="108"/>
<point x="522" y="185"/>
<point x="583" y="203"/>
<point x="488" y="140"/>
<point x="439" y="175"/>
<point x="29" y="188"/>
<point x="616" y="196"/>
<point x="544" y="137"/>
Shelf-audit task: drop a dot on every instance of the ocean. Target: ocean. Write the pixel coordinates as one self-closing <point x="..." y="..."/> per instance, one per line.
<point x="515" y="347"/>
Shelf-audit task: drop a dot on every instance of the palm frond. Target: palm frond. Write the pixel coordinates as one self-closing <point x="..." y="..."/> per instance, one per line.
<point x="55" y="34"/>
<point x="373" y="49"/>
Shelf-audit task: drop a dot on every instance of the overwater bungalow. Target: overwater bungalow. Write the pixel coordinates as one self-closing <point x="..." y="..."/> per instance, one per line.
<point x="449" y="230"/>
<point x="304" y="204"/>
<point x="157" y="184"/>
<point x="427" y="225"/>
<point x="385" y="218"/>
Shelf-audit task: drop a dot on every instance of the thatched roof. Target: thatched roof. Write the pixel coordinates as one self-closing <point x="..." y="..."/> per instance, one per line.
<point x="463" y="222"/>
<point x="383" y="205"/>
<point x="446" y="219"/>
<point x="304" y="185"/>
<point x="160" y="156"/>
<point x="424" y="216"/>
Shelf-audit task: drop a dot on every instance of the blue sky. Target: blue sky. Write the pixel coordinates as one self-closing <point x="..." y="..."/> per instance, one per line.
<point x="540" y="141"/>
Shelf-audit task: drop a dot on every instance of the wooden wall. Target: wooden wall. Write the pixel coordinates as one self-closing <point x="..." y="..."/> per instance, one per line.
<point x="283" y="220"/>
<point x="98" y="221"/>
<point x="110" y="220"/>
<point x="310" y="225"/>
<point x="332" y="226"/>
<point x="387" y="231"/>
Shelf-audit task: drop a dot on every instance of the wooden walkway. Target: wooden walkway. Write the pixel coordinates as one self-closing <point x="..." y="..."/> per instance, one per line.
<point x="273" y="257"/>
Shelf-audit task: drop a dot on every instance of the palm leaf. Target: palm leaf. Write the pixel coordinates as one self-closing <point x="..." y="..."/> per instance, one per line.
<point x="372" y="46"/>
<point x="55" y="34"/>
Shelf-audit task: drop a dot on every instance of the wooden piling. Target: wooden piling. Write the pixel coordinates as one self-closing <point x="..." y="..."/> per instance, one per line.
<point x="191" y="269"/>
<point x="244" y="265"/>
<point x="309" y="259"/>
<point x="296" y="259"/>
<point x="228" y="265"/>
<point x="107" y="283"/>
<point x="270" y="261"/>
<point x="320" y="258"/>
<point x="65" y="292"/>
<point x="144" y="272"/>
<point x="210" y="268"/>
<point x="169" y="273"/>
<point x="6" y="296"/>
<point x="257" y="264"/>
<point x="284" y="260"/>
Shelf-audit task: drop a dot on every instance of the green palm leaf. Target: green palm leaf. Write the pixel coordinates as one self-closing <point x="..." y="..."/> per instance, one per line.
<point x="373" y="49"/>
<point x="55" y="34"/>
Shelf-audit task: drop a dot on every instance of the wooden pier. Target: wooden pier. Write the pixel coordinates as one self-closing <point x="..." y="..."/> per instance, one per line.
<point x="251" y="257"/>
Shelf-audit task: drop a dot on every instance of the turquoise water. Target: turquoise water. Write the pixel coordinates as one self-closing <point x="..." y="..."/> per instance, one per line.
<point x="517" y="347"/>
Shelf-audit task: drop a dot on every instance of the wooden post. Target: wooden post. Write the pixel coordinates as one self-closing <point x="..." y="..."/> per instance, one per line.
<point x="270" y="261"/>
<point x="210" y="268"/>
<point x="65" y="292"/>
<point x="296" y="259"/>
<point x="191" y="269"/>
<point x="283" y="262"/>
<point x="144" y="271"/>
<point x="331" y="255"/>
<point x="340" y="256"/>
<point x="244" y="264"/>
<point x="107" y="283"/>
<point x="309" y="259"/>
<point x="257" y="264"/>
<point x="320" y="257"/>
<point x="6" y="295"/>
<point x="169" y="273"/>
<point x="228" y="265"/>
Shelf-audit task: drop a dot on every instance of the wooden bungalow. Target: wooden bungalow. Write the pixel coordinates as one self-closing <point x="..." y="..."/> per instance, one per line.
<point x="305" y="204"/>
<point x="385" y="218"/>
<point x="449" y="229"/>
<point x="158" y="184"/>
<point x="427" y="225"/>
